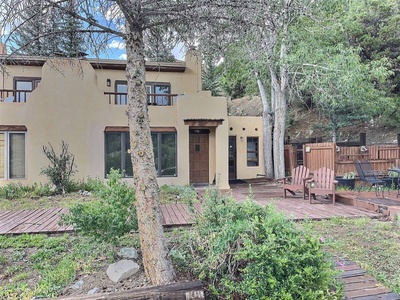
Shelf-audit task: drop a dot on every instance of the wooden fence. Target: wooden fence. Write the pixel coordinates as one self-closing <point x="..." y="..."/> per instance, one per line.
<point x="341" y="159"/>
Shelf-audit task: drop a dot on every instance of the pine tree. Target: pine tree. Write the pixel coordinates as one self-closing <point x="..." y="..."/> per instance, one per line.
<point x="72" y="40"/>
<point x="34" y="35"/>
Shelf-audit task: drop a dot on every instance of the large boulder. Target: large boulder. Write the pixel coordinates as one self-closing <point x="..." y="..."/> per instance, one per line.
<point x="122" y="270"/>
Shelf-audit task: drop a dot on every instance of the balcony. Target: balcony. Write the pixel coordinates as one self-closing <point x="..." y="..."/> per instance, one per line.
<point x="152" y="99"/>
<point x="14" y="95"/>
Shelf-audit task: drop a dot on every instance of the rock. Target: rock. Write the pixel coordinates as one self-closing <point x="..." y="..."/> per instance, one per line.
<point x="122" y="270"/>
<point x="128" y="253"/>
<point x="77" y="285"/>
<point x="93" y="291"/>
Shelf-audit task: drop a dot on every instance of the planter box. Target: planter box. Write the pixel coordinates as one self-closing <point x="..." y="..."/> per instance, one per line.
<point x="345" y="182"/>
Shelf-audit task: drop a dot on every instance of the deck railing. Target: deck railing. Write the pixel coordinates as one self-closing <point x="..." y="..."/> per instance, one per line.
<point x="152" y="99"/>
<point x="14" y="95"/>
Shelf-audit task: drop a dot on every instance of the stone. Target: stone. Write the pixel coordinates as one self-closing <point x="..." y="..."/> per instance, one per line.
<point x="93" y="291"/>
<point x="77" y="285"/>
<point x="122" y="269"/>
<point x="130" y="253"/>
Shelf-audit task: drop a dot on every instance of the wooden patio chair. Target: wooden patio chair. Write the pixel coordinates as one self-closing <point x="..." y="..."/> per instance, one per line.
<point x="296" y="181"/>
<point x="322" y="183"/>
<point x="369" y="177"/>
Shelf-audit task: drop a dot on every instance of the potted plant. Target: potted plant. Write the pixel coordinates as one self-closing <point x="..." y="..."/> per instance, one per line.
<point x="347" y="180"/>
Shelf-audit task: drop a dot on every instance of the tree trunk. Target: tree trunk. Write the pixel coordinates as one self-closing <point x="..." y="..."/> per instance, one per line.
<point x="267" y="131"/>
<point x="157" y="265"/>
<point x="280" y="114"/>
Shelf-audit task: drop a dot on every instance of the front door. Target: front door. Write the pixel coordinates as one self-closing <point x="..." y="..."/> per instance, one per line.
<point x="198" y="156"/>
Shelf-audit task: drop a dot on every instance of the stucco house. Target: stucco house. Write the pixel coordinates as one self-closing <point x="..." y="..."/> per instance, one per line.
<point x="83" y="102"/>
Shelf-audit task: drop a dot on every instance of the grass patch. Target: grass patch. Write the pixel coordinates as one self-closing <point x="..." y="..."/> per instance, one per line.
<point x="371" y="243"/>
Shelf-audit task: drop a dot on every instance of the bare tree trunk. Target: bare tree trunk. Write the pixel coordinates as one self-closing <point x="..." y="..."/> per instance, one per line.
<point x="267" y="131"/>
<point x="280" y="115"/>
<point x="157" y="265"/>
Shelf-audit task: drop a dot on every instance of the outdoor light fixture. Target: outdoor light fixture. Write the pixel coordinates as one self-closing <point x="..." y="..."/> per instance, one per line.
<point x="108" y="82"/>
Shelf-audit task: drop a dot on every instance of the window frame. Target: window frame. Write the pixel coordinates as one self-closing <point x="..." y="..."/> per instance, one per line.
<point x="157" y="159"/>
<point x="35" y="81"/>
<point x="151" y="100"/>
<point x="252" y="162"/>
<point x="7" y="161"/>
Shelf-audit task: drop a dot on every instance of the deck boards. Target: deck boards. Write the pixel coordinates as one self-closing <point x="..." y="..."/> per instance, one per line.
<point x="359" y="286"/>
<point x="178" y="214"/>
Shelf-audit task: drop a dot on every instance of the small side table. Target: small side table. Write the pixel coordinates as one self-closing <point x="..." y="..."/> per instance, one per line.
<point x="397" y="170"/>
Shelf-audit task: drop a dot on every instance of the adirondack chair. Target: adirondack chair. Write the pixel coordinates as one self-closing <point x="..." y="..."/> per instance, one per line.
<point x="297" y="181"/>
<point x="322" y="183"/>
<point x="369" y="176"/>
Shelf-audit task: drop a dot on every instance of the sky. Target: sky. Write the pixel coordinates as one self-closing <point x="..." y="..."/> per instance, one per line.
<point x="116" y="50"/>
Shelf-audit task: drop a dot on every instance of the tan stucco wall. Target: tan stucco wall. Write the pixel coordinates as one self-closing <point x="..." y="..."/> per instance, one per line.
<point x="71" y="106"/>
<point x="241" y="128"/>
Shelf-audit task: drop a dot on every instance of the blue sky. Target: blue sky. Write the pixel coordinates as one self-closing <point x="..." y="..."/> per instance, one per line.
<point x="116" y="50"/>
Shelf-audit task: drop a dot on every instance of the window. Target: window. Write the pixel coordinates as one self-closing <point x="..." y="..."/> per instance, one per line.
<point x="12" y="155"/>
<point x="121" y="87"/>
<point x="159" y="89"/>
<point x="155" y="93"/>
<point x="23" y="87"/>
<point x="118" y="154"/>
<point x="252" y="151"/>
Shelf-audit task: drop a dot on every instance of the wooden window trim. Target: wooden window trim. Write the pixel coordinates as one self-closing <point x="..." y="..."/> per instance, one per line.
<point x="13" y="128"/>
<point x="126" y="129"/>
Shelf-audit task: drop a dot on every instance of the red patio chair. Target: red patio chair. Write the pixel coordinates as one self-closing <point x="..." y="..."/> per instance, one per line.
<point x="296" y="182"/>
<point x="322" y="183"/>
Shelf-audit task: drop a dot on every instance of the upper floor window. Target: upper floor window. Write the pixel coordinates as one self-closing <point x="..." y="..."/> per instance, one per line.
<point x="157" y="93"/>
<point x="12" y="155"/>
<point x="23" y="86"/>
<point x="252" y="151"/>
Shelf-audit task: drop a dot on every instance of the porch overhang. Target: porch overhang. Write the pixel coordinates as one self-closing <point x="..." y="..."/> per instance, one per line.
<point x="203" y="122"/>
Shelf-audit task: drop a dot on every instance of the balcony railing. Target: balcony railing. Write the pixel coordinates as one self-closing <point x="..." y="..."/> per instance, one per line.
<point x="152" y="99"/>
<point x="14" y="95"/>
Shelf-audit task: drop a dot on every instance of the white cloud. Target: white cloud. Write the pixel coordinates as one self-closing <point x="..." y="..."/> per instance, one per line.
<point x="122" y="56"/>
<point x="116" y="45"/>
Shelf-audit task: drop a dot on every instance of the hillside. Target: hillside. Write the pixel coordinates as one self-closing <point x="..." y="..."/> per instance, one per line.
<point x="305" y="124"/>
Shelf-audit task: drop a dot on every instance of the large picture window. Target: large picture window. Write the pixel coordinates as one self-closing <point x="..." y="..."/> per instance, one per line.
<point x="12" y="155"/>
<point x="252" y="151"/>
<point x="118" y="154"/>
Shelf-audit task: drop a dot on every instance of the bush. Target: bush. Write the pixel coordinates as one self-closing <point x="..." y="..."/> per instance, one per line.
<point x="61" y="168"/>
<point x="11" y="191"/>
<point x="110" y="217"/>
<point x="246" y="251"/>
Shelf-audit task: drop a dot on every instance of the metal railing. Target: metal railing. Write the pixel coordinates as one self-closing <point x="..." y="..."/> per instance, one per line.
<point x="14" y="95"/>
<point x="152" y="99"/>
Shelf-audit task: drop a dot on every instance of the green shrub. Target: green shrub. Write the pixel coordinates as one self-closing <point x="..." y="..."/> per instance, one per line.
<point x="110" y="217"/>
<point x="178" y="193"/>
<point x="246" y="251"/>
<point x="11" y="191"/>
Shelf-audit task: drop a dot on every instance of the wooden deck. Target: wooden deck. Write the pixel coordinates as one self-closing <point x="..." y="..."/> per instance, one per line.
<point x="47" y="220"/>
<point x="360" y="286"/>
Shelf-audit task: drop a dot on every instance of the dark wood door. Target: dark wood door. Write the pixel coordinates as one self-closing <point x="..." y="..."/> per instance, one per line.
<point x="232" y="157"/>
<point x="198" y="157"/>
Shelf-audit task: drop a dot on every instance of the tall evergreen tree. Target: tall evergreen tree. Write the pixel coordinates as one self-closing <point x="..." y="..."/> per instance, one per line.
<point x="33" y="35"/>
<point x="72" y="39"/>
